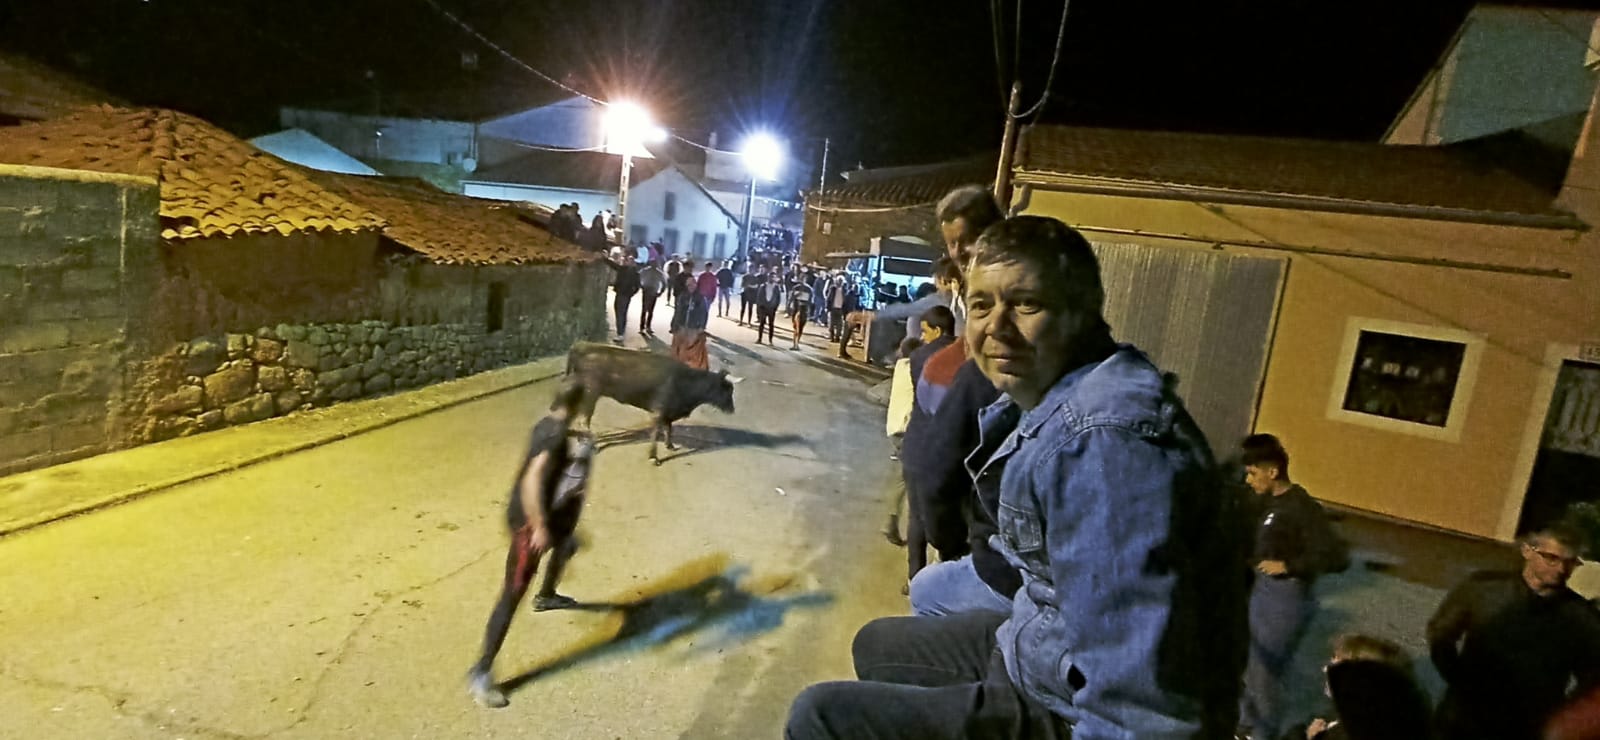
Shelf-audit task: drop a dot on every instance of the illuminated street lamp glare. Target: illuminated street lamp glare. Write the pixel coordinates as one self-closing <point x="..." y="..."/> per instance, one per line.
<point x="628" y="126"/>
<point x="763" y="156"/>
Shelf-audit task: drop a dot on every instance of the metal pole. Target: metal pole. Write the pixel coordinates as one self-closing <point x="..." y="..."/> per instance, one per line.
<point x="1008" y="149"/>
<point x="622" y="196"/>
<point x="822" y="180"/>
<point x="749" y="210"/>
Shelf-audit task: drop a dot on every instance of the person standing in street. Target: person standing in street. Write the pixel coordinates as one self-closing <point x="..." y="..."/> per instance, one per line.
<point x="652" y="283"/>
<point x="750" y="288"/>
<point x="800" y="299"/>
<point x="1510" y="644"/>
<point x="769" y="296"/>
<point x="1294" y="544"/>
<point x="724" y="288"/>
<point x="627" y="284"/>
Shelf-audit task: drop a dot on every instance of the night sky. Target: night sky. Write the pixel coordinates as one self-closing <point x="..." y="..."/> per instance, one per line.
<point x="888" y="81"/>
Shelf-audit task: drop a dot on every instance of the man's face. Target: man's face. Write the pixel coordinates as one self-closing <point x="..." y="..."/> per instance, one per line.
<point x="957" y="242"/>
<point x="1019" y="333"/>
<point x="1260" y="477"/>
<point x="930" y="333"/>
<point x="1547" y="564"/>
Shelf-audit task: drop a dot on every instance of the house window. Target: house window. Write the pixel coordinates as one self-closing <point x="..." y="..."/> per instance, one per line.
<point x="720" y="244"/>
<point x="1406" y="378"/>
<point x="671" y="209"/>
<point x="669" y="239"/>
<point x="638" y="234"/>
<point x="699" y="243"/>
<point x="497" y="307"/>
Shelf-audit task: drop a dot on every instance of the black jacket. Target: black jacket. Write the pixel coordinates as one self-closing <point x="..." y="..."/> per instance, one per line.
<point x="956" y="518"/>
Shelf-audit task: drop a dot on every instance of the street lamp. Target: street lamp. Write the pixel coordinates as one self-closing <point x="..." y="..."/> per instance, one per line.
<point x="627" y="128"/>
<point x="763" y="159"/>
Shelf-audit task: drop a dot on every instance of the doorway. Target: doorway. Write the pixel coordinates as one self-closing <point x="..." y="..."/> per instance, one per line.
<point x="1568" y="459"/>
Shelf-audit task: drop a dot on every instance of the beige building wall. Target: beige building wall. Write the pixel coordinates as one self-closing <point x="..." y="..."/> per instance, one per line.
<point x="1470" y="480"/>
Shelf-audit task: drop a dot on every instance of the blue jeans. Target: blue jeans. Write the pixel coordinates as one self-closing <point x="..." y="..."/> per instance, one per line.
<point x="953" y="587"/>
<point x="1279" y="611"/>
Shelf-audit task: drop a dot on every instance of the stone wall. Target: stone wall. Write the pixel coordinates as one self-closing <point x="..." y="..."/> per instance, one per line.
<point x="69" y="241"/>
<point x="237" y="378"/>
<point x="846" y="231"/>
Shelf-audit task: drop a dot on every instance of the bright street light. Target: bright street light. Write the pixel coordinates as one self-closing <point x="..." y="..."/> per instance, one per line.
<point x="627" y="127"/>
<point x="763" y="156"/>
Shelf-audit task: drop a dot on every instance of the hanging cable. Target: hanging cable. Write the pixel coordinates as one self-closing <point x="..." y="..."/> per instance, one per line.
<point x="999" y="59"/>
<point x="1061" y="33"/>
<point x="1016" y="40"/>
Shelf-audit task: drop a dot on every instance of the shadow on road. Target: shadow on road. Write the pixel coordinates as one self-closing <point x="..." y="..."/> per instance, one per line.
<point x="726" y="346"/>
<point x="846" y="369"/>
<point x="707" y="597"/>
<point x="699" y="438"/>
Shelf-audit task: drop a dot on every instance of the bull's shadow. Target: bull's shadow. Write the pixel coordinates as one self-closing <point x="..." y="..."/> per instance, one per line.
<point x="699" y="438"/>
<point x="705" y="597"/>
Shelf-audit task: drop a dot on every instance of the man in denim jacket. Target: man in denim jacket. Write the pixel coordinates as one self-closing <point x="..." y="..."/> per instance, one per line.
<point x="1131" y="619"/>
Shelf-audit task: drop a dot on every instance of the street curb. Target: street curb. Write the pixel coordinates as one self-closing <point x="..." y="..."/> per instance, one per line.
<point x="84" y="505"/>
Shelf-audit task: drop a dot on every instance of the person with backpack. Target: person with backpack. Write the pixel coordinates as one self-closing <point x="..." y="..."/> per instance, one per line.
<point x="1294" y="544"/>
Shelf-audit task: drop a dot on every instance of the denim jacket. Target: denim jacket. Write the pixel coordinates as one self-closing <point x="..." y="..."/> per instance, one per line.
<point x="1107" y="503"/>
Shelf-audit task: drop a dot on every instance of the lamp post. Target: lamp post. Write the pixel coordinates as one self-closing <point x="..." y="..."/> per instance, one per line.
<point x="627" y="128"/>
<point x="763" y="157"/>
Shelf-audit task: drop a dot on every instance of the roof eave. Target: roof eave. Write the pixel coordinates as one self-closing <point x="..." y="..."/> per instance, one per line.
<point x="1141" y="189"/>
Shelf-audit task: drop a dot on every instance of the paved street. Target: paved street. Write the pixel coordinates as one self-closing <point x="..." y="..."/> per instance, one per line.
<point x="341" y="591"/>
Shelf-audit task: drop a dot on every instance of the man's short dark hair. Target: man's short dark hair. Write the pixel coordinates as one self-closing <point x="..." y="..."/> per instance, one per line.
<point x="924" y="290"/>
<point x="1265" y="449"/>
<point x="941" y="318"/>
<point x="1565" y="532"/>
<point x="1066" y="262"/>
<point x="971" y="203"/>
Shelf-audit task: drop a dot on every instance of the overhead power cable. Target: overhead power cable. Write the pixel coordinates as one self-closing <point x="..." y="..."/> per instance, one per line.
<point x="1061" y="33"/>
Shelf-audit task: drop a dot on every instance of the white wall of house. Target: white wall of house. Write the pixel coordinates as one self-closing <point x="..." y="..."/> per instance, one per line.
<point x="698" y="227"/>
<point x="303" y="148"/>
<point x="589" y="202"/>
<point x="574" y="123"/>
<point x="383" y="137"/>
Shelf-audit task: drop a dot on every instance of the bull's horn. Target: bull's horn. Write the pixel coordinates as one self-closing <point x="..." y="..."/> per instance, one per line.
<point x="734" y="379"/>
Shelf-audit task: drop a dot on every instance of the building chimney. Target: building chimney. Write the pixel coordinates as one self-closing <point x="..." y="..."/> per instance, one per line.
<point x="713" y="143"/>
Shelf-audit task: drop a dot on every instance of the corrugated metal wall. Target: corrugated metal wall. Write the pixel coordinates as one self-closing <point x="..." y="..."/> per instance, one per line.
<point x="1207" y="316"/>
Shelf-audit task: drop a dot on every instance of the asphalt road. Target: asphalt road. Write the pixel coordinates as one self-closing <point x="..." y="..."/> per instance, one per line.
<point x="342" y="591"/>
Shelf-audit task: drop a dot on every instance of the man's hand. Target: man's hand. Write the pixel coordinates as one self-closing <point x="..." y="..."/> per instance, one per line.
<point x="539" y="541"/>
<point x="1272" y="568"/>
<point x="1317" y="727"/>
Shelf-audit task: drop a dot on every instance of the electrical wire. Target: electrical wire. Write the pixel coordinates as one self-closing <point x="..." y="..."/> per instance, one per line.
<point x="541" y="75"/>
<point x="1061" y="33"/>
<point x="508" y="55"/>
<point x="999" y="59"/>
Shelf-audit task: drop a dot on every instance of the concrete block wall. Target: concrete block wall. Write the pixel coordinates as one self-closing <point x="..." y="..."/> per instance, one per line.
<point x="67" y="238"/>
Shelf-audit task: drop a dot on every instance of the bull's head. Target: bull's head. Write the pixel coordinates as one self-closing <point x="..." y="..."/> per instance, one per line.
<point x="721" y="396"/>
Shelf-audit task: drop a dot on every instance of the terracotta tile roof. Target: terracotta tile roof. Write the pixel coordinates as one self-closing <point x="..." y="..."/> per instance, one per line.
<point x="455" y="229"/>
<point x="916" y="185"/>
<point x="211" y="182"/>
<point x="1456" y="178"/>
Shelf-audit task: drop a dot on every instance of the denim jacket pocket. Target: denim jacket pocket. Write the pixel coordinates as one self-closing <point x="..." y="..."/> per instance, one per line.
<point x="1022" y="529"/>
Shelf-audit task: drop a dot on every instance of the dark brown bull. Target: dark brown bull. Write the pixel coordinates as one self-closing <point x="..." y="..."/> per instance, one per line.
<point x="661" y="385"/>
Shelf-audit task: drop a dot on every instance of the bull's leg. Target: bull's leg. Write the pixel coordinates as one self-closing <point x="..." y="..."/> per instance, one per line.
<point x="670" y="445"/>
<point x="586" y="408"/>
<point x="655" y="434"/>
<point x="547" y="598"/>
<point x="522" y="561"/>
